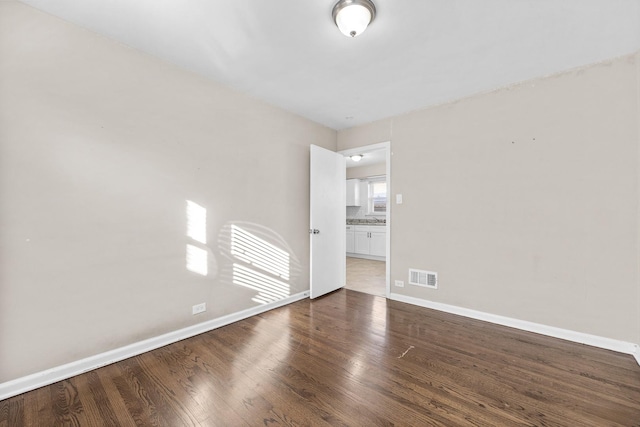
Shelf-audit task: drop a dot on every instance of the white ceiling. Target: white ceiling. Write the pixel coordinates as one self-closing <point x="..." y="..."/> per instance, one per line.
<point x="417" y="53"/>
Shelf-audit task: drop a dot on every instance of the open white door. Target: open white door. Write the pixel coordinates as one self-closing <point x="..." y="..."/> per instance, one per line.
<point x="327" y="223"/>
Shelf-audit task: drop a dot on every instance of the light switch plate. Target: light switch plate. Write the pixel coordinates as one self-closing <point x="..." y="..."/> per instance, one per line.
<point x="398" y="199"/>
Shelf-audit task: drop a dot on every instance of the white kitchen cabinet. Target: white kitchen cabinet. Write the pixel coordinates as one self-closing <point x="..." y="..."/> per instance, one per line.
<point x="353" y="192"/>
<point x="370" y="241"/>
<point x="378" y="241"/>
<point x="361" y="241"/>
<point x="364" y="192"/>
<point x="350" y="239"/>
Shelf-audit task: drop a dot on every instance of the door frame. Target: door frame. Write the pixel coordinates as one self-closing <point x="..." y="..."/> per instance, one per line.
<point x="363" y="150"/>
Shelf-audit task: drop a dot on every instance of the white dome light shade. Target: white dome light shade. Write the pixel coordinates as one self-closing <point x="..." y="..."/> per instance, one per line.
<point x="353" y="16"/>
<point x="353" y="20"/>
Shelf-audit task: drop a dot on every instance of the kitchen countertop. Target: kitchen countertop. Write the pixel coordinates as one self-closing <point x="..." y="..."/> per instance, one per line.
<point x="365" y="222"/>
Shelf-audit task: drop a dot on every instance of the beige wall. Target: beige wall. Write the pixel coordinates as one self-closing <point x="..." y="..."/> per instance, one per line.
<point x="524" y="200"/>
<point x="367" y="171"/>
<point x="100" y="147"/>
<point x="375" y="132"/>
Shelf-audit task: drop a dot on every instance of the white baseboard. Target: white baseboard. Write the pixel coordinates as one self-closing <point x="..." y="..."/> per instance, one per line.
<point x="565" y="334"/>
<point x="636" y="354"/>
<point x="59" y="373"/>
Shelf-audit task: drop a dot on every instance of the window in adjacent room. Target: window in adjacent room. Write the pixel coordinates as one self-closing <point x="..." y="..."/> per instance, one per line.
<point x="377" y="196"/>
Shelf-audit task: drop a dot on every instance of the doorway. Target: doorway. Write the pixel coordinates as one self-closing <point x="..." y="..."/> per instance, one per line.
<point x="368" y="218"/>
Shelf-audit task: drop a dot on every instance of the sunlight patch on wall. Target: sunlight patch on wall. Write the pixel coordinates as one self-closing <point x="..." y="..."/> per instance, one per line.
<point x="269" y="289"/>
<point x="260" y="260"/>
<point x="197" y="260"/>
<point x="259" y="253"/>
<point x="196" y="222"/>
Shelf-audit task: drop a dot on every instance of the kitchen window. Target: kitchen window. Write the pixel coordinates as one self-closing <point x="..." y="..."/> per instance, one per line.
<point x="377" y="196"/>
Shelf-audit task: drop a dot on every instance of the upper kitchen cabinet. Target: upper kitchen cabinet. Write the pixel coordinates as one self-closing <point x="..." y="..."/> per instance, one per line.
<point x="353" y="192"/>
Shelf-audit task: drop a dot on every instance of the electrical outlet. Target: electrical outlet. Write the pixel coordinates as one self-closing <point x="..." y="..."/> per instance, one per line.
<point x="199" y="308"/>
<point x="399" y="284"/>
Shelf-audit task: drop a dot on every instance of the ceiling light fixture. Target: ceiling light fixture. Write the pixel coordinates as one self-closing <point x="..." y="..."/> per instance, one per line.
<point x="357" y="157"/>
<point x="353" y="16"/>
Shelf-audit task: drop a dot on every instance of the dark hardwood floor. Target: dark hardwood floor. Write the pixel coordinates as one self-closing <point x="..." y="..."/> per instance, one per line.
<point x="348" y="359"/>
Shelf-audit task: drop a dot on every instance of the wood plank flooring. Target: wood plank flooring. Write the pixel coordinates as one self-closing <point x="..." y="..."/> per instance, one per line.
<point x="348" y="359"/>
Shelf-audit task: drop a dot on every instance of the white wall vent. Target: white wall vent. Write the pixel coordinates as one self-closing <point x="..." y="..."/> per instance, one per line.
<point x="428" y="279"/>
